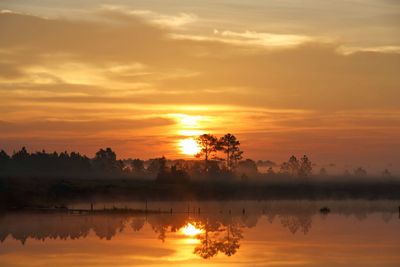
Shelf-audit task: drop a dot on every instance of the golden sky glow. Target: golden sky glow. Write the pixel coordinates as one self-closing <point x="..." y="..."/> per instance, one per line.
<point x="287" y="77"/>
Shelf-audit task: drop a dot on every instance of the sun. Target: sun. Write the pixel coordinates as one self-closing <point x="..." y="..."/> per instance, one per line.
<point x="189" y="146"/>
<point x="191" y="230"/>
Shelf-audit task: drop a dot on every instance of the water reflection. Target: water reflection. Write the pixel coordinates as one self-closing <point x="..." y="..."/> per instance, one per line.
<point x="219" y="238"/>
<point x="219" y="229"/>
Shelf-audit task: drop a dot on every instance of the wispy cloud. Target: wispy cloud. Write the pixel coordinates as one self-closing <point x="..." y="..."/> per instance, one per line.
<point x="377" y="49"/>
<point x="262" y="38"/>
<point x="173" y="21"/>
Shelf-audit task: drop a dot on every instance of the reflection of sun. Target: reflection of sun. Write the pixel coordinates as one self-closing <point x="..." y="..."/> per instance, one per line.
<point x="189" y="146"/>
<point x="191" y="230"/>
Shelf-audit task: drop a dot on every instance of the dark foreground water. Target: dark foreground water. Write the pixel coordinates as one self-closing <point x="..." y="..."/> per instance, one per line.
<point x="281" y="233"/>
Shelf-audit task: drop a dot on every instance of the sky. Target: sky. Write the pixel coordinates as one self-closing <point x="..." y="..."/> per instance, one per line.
<point x="286" y="77"/>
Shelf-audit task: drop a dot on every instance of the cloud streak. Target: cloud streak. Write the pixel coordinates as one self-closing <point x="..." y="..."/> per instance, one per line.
<point x="172" y="21"/>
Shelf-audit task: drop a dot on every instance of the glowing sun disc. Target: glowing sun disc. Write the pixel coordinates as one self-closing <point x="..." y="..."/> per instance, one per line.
<point x="189" y="147"/>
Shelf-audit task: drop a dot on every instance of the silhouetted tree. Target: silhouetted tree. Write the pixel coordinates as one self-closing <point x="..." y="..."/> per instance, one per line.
<point x="137" y="166"/>
<point x="172" y="175"/>
<point x="296" y="168"/>
<point x="230" y="146"/>
<point x="4" y="156"/>
<point x="157" y="165"/>
<point x="21" y="155"/>
<point x="305" y="167"/>
<point x="294" y="165"/>
<point x="291" y="167"/>
<point x="360" y="172"/>
<point x="80" y="164"/>
<point x="285" y="168"/>
<point x="106" y="161"/>
<point x="247" y="167"/>
<point x="213" y="168"/>
<point x="4" y="160"/>
<point x="208" y="144"/>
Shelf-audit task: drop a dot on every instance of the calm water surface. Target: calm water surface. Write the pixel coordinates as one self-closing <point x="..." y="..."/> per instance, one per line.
<point x="281" y="233"/>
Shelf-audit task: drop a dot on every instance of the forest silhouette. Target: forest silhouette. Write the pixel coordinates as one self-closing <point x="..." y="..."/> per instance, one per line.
<point x="219" y="172"/>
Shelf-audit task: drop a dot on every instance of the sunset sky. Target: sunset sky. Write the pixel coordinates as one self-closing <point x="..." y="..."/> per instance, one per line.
<point x="312" y="77"/>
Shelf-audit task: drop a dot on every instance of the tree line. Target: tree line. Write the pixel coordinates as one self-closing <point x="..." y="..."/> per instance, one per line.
<point x="42" y="163"/>
<point x="105" y="161"/>
<point x="218" y="157"/>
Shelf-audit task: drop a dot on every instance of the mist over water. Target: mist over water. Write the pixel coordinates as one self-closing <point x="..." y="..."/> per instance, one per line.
<point x="229" y="233"/>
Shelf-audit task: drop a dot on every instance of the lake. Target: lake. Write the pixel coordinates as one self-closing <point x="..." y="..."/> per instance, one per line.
<point x="237" y="233"/>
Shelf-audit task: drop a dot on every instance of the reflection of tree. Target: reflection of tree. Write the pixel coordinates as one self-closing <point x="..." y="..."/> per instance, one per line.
<point x="230" y="243"/>
<point x="161" y="230"/>
<point x="219" y="238"/>
<point x="137" y="223"/>
<point x="294" y="223"/>
<point x="221" y="233"/>
<point x="108" y="227"/>
<point x="59" y="226"/>
<point x="163" y="223"/>
<point x="207" y="247"/>
<point x="293" y="215"/>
